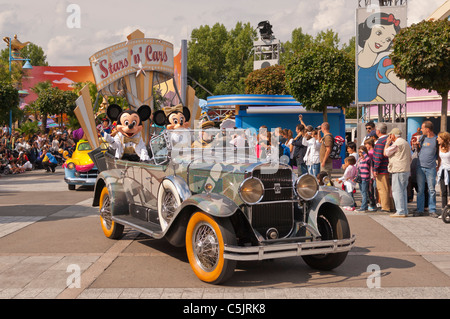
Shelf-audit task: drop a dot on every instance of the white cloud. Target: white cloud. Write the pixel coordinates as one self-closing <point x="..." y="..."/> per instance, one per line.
<point x="104" y="23"/>
<point x="52" y="73"/>
<point x="63" y="81"/>
<point x="420" y="10"/>
<point x="7" y="18"/>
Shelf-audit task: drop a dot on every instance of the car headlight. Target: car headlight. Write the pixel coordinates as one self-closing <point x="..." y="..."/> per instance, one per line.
<point x="307" y="187"/>
<point x="71" y="165"/>
<point x="251" y="190"/>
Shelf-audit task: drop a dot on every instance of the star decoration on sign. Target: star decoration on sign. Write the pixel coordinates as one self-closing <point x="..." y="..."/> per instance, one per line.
<point x="95" y="61"/>
<point x="140" y="69"/>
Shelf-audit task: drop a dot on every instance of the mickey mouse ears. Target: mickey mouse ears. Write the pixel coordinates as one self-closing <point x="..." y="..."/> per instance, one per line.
<point x="144" y="112"/>
<point x="114" y="110"/>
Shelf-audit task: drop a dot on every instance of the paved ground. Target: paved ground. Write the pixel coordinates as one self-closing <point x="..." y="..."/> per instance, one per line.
<point x="44" y="274"/>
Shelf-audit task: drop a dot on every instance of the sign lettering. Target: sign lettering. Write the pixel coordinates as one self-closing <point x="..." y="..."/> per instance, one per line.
<point x="126" y="58"/>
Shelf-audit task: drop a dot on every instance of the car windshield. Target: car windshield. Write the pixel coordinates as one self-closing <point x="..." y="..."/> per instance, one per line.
<point x="84" y="147"/>
<point x="222" y="145"/>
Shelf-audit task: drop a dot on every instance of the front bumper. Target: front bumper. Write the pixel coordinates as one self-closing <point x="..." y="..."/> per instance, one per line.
<point x="80" y="181"/>
<point x="72" y="177"/>
<point x="291" y="249"/>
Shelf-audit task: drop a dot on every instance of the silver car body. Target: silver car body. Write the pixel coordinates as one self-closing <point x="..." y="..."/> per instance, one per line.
<point x="209" y="180"/>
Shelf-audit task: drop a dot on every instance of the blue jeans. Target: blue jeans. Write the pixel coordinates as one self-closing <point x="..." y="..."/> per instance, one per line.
<point x="400" y="192"/>
<point x="364" y="189"/>
<point x="301" y="167"/>
<point x="426" y="175"/>
<point x="314" y="169"/>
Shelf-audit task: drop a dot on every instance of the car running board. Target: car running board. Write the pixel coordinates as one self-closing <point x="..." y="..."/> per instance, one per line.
<point x="147" y="228"/>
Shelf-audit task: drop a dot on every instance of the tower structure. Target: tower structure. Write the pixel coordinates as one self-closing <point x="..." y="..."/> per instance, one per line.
<point x="267" y="48"/>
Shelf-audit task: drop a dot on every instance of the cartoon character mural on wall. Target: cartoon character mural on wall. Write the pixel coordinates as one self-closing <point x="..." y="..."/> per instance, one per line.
<point x="376" y="79"/>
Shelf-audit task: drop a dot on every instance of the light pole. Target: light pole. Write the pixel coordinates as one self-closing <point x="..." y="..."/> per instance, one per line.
<point x="26" y="66"/>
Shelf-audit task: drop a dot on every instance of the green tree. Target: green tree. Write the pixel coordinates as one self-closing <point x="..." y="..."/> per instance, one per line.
<point x="9" y="101"/>
<point x="321" y="76"/>
<point x="28" y="128"/>
<point x="206" y="58"/>
<point x="327" y="38"/>
<point x="15" y="76"/>
<point x="299" y="41"/>
<point x="421" y="56"/>
<point x="52" y="100"/>
<point x="270" y="80"/>
<point x="93" y="92"/>
<point x="349" y="48"/>
<point x="238" y="59"/>
<point x="41" y="86"/>
<point x="32" y="51"/>
<point x="220" y="60"/>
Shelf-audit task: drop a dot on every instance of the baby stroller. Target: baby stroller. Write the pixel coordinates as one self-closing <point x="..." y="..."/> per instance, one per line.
<point x="446" y="215"/>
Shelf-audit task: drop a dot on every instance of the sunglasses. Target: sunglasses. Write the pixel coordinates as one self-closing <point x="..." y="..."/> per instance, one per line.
<point x="368" y="128"/>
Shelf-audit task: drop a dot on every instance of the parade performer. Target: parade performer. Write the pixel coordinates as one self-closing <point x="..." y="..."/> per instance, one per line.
<point x="128" y="141"/>
<point x="174" y="117"/>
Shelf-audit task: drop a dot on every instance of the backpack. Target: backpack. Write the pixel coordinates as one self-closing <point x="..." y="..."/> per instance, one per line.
<point x="336" y="149"/>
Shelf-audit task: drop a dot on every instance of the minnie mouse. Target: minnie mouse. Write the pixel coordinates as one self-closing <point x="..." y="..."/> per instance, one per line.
<point x="175" y="117"/>
<point x="128" y="141"/>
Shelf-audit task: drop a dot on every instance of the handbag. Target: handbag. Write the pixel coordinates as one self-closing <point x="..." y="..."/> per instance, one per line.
<point x="358" y="178"/>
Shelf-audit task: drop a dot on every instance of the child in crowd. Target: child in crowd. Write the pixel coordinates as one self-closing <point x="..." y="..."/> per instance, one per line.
<point x="324" y="179"/>
<point x="347" y="180"/>
<point x="369" y="144"/>
<point x="363" y="166"/>
<point x="351" y="149"/>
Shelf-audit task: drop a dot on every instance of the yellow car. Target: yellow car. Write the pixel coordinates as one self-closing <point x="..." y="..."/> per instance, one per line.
<point x="79" y="169"/>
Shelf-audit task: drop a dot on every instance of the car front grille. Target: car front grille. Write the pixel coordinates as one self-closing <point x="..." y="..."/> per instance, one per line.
<point x="279" y="216"/>
<point x="89" y="174"/>
<point x="265" y="215"/>
<point x="277" y="186"/>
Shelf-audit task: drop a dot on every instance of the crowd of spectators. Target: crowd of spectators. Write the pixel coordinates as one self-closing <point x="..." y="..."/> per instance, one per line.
<point x="386" y="168"/>
<point x="307" y="151"/>
<point x="20" y="153"/>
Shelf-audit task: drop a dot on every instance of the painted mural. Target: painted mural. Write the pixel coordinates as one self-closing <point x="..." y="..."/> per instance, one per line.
<point x="62" y="77"/>
<point x="377" y="82"/>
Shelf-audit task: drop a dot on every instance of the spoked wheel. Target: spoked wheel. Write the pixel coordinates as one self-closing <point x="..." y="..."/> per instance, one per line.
<point x="206" y="238"/>
<point x="168" y="202"/>
<point x="110" y="228"/>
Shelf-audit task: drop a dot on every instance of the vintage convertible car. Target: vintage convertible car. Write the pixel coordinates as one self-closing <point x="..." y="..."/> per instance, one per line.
<point x="222" y="203"/>
<point x="79" y="169"/>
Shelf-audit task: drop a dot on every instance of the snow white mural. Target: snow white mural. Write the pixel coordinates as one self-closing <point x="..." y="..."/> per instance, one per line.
<point x="376" y="79"/>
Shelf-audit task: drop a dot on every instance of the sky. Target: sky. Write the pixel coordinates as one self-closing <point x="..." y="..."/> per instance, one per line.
<point x="69" y="39"/>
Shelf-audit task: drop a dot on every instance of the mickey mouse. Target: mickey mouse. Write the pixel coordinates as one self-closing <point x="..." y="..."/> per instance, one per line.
<point x="128" y="141"/>
<point x="175" y="117"/>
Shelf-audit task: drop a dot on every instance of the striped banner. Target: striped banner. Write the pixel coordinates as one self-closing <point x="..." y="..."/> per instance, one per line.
<point x="85" y="115"/>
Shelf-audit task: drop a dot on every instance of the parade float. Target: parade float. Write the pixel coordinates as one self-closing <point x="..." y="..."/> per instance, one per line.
<point x="193" y="186"/>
